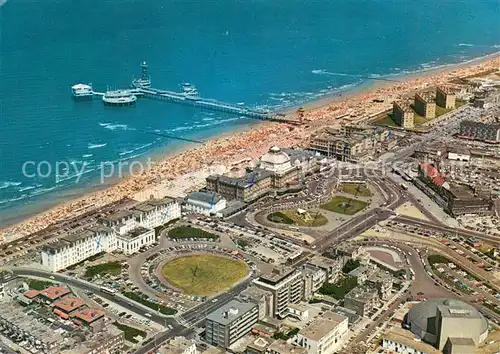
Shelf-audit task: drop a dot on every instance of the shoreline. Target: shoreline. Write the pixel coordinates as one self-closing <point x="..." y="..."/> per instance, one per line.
<point x="254" y="139"/>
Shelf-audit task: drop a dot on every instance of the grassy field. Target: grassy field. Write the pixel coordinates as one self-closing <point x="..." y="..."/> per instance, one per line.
<point x="290" y="217"/>
<point x="190" y="232"/>
<point x="203" y="275"/>
<point x="387" y="120"/>
<point x="336" y="205"/>
<point x="350" y="188"/>
<point x="143" y="299"/>
<point x="111" y="268"/>
<point x="130" y="332"/>
<point x="340" y="288"/>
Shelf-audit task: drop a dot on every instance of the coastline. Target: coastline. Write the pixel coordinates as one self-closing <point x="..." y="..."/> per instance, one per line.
<point x="255" y="139"/>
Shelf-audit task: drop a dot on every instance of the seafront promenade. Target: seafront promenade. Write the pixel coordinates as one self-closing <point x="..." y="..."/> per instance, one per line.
<point x="252" y="143"/>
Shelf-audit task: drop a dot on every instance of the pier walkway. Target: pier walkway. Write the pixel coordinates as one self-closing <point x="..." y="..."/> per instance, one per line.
<point x="142" y="88"/>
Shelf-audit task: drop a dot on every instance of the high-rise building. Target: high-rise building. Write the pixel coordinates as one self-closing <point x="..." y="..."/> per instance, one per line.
<point x="425" y="104"/>
<point x="230" y="322"/>
<point x="286" y="285"/>
<point x="403" y="114"/>
<point x="445" y="97"/>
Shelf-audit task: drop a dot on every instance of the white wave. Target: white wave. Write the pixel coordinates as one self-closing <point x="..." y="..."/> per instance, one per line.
<point x="95" y="146"/>
<point x="126" y="152"/>
<point x="465" y="45"/>
<point x="42" y="191"/>
<point x="495" y="46"/>
<point x="87" y="155"/>
<point x="208" y="119"/>
<point x="27" y="188"/>
<point x="5" y="201"/>
<point x="2" y="2"/>
<point x="116" y="126"/>
<point x="318" y="71"/>
<point x="7" y="184"/>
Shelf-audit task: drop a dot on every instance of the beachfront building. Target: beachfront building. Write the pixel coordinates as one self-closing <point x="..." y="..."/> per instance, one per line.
<point x="127" y="230"/>
<point x="74" y="248"/>
<point x="246" y="188"/>
<point x="402" y="114"/>
<point x="350" y="143"/>
<point x="445" y="97"/>
<point x="286" y="286"/>
<point x="425" y="104"/>
<point x="278" y="162"/>
<point x="132" y="241"/>
<point x="326" y="334"/>
<point x="207" y="203"/>
<point x="228" y="323"/>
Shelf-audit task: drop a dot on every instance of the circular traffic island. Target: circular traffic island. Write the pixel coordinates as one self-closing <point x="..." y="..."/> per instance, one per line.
<point x="205" y="274"/>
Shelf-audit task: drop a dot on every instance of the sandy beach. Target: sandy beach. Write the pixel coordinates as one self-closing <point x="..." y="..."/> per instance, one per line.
<point x="223" y="150"/>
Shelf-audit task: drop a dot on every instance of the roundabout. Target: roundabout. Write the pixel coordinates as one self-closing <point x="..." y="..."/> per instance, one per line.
<point x="203" y="274"/>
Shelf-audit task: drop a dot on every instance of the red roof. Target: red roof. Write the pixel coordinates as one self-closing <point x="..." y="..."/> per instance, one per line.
<point x="54" y="292"/>
<point x="69" y="304"/>
<point x="30" y="294"/>
<point x="61" y="314"/>
<point x="433" y="173"/>
<point x="89" y="315"/>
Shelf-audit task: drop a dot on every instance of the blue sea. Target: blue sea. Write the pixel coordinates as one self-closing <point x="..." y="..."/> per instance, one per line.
<point x="261" y="54"/>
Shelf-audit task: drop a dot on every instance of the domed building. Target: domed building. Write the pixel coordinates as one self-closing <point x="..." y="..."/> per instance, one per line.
<point x="276" y="160"/>
<point x="440" y="322"/>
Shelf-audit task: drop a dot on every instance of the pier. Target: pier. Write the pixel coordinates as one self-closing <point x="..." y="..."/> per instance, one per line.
<point x="141" y="88"/>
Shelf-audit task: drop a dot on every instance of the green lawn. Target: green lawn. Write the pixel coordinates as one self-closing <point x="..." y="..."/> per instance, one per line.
<point x="190" y="232"/>
<point x="340" y="288"/>
<point x="353" y="188"/>
<point x="350" y="265"/>
<point x="130" y="332"/>
<point x="111" y="268"/>
<point x="387" y="120"/>
<point x="338" y="205"/>
<point x="437" y="258"/>
<point x="141" y="298"/>
<point x="280" y="218"/>
<point x="291" y="217"/>
<point x="203" y="275"/>
<point x="38" y="284"/>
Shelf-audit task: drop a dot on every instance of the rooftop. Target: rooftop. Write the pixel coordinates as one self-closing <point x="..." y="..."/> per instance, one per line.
<point x="80" y="235"/>
<point x="69" y="304"/>
<point x="244" y="181"/>
<point x="446" y="89"/>
<point x="54" y="292"/>
<point x="89" y="315"/>
<point x="323" y="325"/>
<point x="408" y="339"/>
<point x="282" y="347"/>
<point x="362" y="293"/>
<point x="230" y="312"/>
<point x="403" y="106"/>
<point x="207" y="197"/>
<point x="30" y="294"/>
<point x="427" y="97"/>
<point x="152" y="204"/>
<point x="134" y="233"/>
<point x="276" y="275"/>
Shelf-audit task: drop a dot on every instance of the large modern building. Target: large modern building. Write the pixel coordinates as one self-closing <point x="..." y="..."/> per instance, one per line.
<point x="440" y="322"/>
<point x="425" y="104"/>
<point x="325" y="335"/>
<point x="445" y="97"/>
<point x="126" y="230"/>
<point x="403" y="114"/>
<point x="230" y="322"/>
<point x="487" y="132"/>
<point x="286" y="285"/>
<point x="401" y="341"/>
<point x="207" y="203"/>
<point x="350" y="143"/>
<point x="261" y="297"/>
<point x="486" y="98"/>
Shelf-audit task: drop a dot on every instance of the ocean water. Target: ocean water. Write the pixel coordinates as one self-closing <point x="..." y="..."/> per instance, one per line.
<point x="263" y="54"/>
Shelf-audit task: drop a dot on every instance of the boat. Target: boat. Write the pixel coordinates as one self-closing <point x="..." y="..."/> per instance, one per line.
<point x="189" y="90"/>
<point x="145" y="80"/>
<point x="82" y="92"/>
<point x="119" y="98"/>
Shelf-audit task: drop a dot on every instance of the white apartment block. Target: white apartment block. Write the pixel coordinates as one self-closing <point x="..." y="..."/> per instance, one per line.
<point x="77" y="247"/>
<point x="286" y="285"/>
<point x="126" y="230"/>
<point x="130" y="242"/>
<point x="325" y="335"/>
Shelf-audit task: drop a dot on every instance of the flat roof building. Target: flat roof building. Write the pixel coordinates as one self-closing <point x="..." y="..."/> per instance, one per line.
<point x="69" y="304"/>
<point x="445" y="97"/>
<point x="361" y="299"/>
<point x="487" y="132"/>
<point x="282" y="347"/>
<point x="204" y="203"/>
<point x="425" y="104"/>
<point x="230" y="322"/>
<point x="402" y="114"/>
<point x="286" y="285"/>
<point x="325" y="335"/>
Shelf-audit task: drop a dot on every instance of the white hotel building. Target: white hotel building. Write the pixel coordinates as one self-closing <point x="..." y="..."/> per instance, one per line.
<point x="126" y="230"/>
